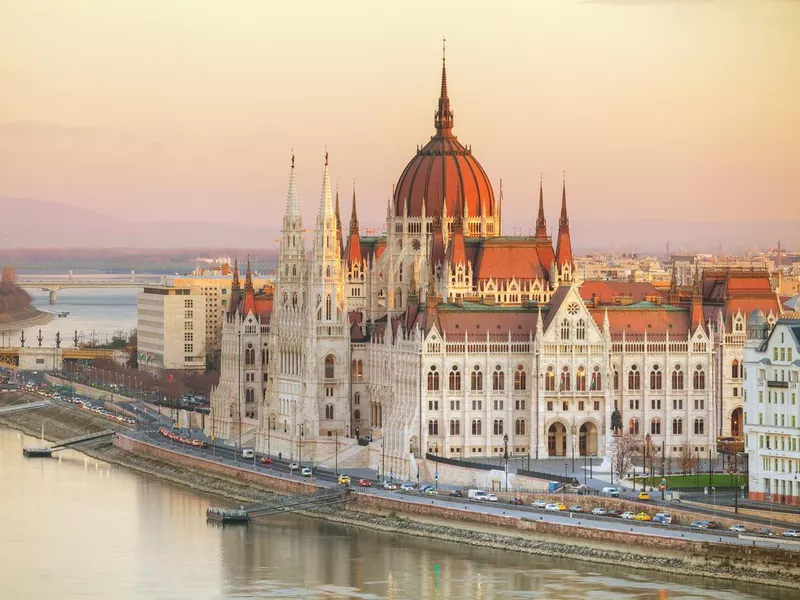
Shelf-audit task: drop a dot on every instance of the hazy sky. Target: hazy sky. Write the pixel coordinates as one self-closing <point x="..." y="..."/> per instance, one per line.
<point x="169" y="109"/>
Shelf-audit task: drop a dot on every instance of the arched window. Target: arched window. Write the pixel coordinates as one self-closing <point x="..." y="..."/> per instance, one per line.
<point x="580" y="380"/>
<point x="329" y="411"/>
<point x="498" y="427"/>
<point x="655" y="427"/>
<point x="699" y="379"/>
<point x="357" y="415"/>
<point x="250" y="355"/>
<point x="633" y="426"/>
<point x="677" y="378"/>
<point x="330" y="364"/>
<point x="655" y="378"/>
<point x="433" y="427"/>
<point x="353" y="368"/>
<point x="519" y="427"/>
<point x="359" y="369"/>
<point x="519" y="378"/>
<point x="735" y="369"/>
<point x="455" y="378"/>
<point x="476" y="427"/>
<point x="549" y="380"/>
<point x="566" y="380"/>
<point x="699" y="426"/>
<point x="498" y="379"/>
<point x="264" y="357"/>
<point x="616" y="378"/>
<point x="433" y="379"/>
<point x="580" y="331"/>
<point x="565" y="329"/>
<point x="357" y="398"/>
<point x="476" y="379"/>
<point x="677" y="426"/>
<point x="597" y="380"/>
<point x="328" y="306"/>
<point x="634" y="378"/>
<point x="294" y="299"/>
<point x="455" y="427"/>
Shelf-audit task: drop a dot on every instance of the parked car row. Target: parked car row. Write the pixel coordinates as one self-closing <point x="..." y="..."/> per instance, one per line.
<point x="181" y="439"/>
<point x="97" y="409"/>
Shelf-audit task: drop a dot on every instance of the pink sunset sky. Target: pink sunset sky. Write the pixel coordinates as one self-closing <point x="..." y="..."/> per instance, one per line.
<point x="189" y="110"/>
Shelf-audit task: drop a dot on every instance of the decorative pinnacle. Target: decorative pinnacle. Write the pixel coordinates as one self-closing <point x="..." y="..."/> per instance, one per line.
<point x="293" y="158"/>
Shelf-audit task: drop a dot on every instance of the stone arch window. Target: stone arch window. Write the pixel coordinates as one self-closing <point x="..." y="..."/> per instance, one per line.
<point x="264" y="357"/>
<point x="580" y="380"/>
<point x="455" y="427"/>
<point x="655" y="427"/>
<point x="330" y="366"/>
<point x="285" y="298"/>
<point x="677" y="426"/>
<point x="357" y="398"/>
<point x="739" y="325"/>
<point x="735" y="373"/>
<point x="677" y="378"/>
<point x="476" y="427"/>
<point x="520" y="379"/>
<point x="656" y="378"/>
<point x="597" y="379"/>
<point x="498" y="427"/>
<point x="699" y="427"/>
<point x="433" y="427"/>
<point x="357" y="369"/>
<point x="550" y="380"/>
<point x="634" y="378"/>
<point x="455" y="379"/>
<point x="328" y="306"/>
<point x="615" y="376"/>
<point x="498" y="379"/>
<point x="294" y="270"/>
<point x="250" y="403"/>
<point x="329" y="411"/>
<point x="250" y="355"/>
<point x="357" y="415"/>
<point x="519" y="427"/>
<point x="699" y="378"/>
<point x="633" y="427"/>
<point x="328" y="271"/>
<point x="566" y="381"/>
<point x="294" y="299"/>
<point x="580" y="331"/>
<point x="400" y="273"/>
<point x="476" y="379"/>
<point x="433" y="379"/>
<point x="398" y="298"/>
<point x="565" y="329"/>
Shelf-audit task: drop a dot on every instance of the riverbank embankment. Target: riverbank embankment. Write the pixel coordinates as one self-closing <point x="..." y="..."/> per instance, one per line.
<point x="448" y="523"/>
<point x="22" y="318"/>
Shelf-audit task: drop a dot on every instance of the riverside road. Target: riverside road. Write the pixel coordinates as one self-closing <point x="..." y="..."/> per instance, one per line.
<point x="280" y="468"/>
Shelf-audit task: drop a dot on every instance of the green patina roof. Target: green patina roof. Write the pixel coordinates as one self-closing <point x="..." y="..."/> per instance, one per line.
<point x="478" y="307"/>
<point x="643" y="305"/>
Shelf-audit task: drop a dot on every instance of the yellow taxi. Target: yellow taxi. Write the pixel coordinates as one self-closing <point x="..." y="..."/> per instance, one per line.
<point x="561" y="506"/>
<point x="344" y="479"/>
<point x="643" y="496"/>
<point x="642" y="516"/>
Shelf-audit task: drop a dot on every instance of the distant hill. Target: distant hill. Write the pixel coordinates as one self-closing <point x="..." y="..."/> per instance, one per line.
<point x="28" y="223"/>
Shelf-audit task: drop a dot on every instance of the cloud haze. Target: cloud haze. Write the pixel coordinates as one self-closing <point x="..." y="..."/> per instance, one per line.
<point x="188" y="109"/>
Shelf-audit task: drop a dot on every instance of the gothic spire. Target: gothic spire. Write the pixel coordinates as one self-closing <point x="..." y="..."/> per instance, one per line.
<point x="354" y="212"/>
<point x="564" y="244"/>
<point x="235" y="285"/>
<point x="326" y="202"/>
<point x="292" y="205"/>
<point x="248" y="280"/>
<point x="444" y="116"/>
<point x="541" y="224"/>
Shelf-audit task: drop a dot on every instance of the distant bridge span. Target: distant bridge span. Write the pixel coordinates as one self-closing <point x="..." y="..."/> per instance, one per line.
<point x="53" y="285"/>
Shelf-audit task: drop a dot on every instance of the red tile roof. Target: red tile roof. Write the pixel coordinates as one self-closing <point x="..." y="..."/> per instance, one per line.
<point x="606" y="291"/>
<point x="506" y="258"/>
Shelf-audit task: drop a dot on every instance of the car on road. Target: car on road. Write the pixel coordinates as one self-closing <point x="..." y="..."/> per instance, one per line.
<point x="628" y="515"/>
<point x="576" y="508"/>
<point x="699" y="524"/>
<point x="305" y="472"/>
<point x="711" y="524"/>
<point x="425" y="488"/>
<point x="364" y="483"/>
<point x="610" y="491"/>
<point x="599" y="511"/>
<point x="490" y="498"/>
<point x="539" y="504"/>
<point x="430" y="491"/>
<point x="551" y="507"/>
<point x="407" y="487"/>
<point x="344" y="479"/>
<point x="739" y="528"/>
<point x="562" y="507"/>
<point x="662" y="519"/>
<point x="456" y="494"/>
<point x="294" y="466"/>
<point x="266" y="460"/>
<point x="388" y="485"/>
<point x="767" y="532"/>
<point x="516" y="501"/>
<point x="642" y="516"/>
<point x="793" y="533"/>
<point x="246" y="453"/>
<point x="614" y="513"/>
<point x="643" y="496"/>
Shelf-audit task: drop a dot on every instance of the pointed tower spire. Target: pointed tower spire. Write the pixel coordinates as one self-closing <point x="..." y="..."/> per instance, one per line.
<point x="353" y="252"/>
<point x="354" y="211"/>
<point x="541" y="224"/>
<point x="326" y="201"/>
<point x="339" y="223"/>
<point x="235" y="285"/>
<point x="443" y="120"/>
<point x="564" y="245"/>
<point x="292" y="205"/>
<point x="249" y="304"/>
<point x="248" y="280"/>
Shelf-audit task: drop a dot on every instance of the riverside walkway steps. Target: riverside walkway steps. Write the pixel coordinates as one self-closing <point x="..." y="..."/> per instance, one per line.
<point x="281" y="504"/>
<point x="80" y="439"/>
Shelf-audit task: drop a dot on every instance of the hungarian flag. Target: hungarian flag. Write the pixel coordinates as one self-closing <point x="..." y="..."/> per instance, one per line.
<point x="171" y="378"/>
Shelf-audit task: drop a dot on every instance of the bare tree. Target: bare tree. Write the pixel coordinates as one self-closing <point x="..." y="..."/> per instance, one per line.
<point x="623" y="450"/>
<point x="686" y="460"/>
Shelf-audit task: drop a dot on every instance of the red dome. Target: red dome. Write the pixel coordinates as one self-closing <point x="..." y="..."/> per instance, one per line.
<point x="444" y="172"/>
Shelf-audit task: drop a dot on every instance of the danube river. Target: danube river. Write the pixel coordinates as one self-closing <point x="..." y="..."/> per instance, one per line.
<point x="75" y="527"/>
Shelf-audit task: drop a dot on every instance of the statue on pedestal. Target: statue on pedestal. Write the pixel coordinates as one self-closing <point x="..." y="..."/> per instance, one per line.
<point x="616" y="421"/>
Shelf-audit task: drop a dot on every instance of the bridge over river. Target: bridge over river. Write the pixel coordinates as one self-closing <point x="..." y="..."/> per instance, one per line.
<point x="54" y="284"/>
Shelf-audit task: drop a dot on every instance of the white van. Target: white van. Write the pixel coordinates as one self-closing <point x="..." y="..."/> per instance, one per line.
<point x="476" y="494"/>
<point x="248" y="453"/>
<point x="611" y="491"/>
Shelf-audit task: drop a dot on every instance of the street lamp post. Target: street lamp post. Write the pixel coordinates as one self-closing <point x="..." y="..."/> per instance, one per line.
<point x="505" y="456"/>
<point x="714" y="499"/>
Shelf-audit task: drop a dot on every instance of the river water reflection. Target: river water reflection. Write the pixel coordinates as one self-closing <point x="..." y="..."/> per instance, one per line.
<point x="74" y="527"/>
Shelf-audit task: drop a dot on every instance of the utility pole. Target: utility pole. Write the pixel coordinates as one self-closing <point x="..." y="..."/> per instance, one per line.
<point x="337" y="452"/>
